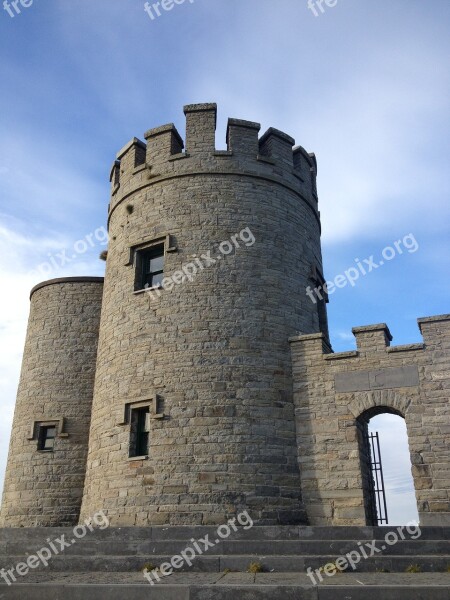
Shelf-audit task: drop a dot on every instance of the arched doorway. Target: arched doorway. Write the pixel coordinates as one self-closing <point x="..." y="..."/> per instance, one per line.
<point x="388" y="484"/>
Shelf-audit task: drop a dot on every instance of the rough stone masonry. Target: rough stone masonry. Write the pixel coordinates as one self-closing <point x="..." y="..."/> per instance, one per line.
<point x="221" y="394"/>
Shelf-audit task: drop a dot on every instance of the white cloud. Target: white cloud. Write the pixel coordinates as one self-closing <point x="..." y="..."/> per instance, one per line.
<point x="19" y="254"/>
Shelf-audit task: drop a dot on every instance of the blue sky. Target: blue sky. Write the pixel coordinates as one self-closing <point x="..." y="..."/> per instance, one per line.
<point x="365" y="85"/>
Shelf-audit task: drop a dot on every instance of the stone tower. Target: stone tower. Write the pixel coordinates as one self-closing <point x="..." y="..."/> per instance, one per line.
<point x="198" y="381"/>
<point x="204" y="363"/>
<point x="53" y="409"/>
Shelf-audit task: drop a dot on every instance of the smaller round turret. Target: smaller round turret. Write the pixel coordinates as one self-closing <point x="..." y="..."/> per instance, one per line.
<point x="49" y="442"/>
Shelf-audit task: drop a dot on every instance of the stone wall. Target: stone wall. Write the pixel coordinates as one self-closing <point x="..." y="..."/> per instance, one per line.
<point x="211" y="355"/>
<point x="335" y="394"/>
<point x="56" y="387"/>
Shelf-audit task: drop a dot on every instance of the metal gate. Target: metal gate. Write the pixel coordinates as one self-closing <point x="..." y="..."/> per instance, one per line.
<point x="377" y="495"/>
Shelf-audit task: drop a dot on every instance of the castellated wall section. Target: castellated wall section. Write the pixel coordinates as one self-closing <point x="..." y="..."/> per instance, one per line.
<point x="336" y="394"/>
<point x="55" y="389"/>
<point x="211" y="355"/>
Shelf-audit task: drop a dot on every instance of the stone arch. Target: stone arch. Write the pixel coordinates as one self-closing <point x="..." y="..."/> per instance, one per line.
<point x="364" y="407"/>
<point x="372" y="403"/>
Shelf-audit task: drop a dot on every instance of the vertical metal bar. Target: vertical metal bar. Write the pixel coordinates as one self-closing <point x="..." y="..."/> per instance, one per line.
<point x="373" y="513"/>
<point x="375" y="473"/>
<point x="383" y="493"/>
<point x="378" y="478"/>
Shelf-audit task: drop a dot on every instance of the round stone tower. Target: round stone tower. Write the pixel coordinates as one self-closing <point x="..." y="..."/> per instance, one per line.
<point x="49" y="442"/>
<point x="209" y="257"/>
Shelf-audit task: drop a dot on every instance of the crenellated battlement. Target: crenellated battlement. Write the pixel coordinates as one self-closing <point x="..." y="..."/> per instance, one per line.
<point x="375" y="338"/>
<point x="166" y="154"/>
<point x="132" y="154"/>
<point x="201" y="122"/>
<point x="305" y="164"/>
<point x="278" y="146"/>
<point x="242" y="137"/>
<point x="162" y="143"/>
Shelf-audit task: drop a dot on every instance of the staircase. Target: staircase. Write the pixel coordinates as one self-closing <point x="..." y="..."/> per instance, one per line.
<point x="109" y="563"/>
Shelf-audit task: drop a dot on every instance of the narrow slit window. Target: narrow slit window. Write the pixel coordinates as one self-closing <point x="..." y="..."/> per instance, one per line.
<point x="47" y="435"/>
<point x="140" y="432"/>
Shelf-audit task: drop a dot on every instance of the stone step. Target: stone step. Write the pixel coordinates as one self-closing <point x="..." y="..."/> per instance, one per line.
<point x="96" y="547"/>
<point x="234" y="586"/>
<point x="216" y="563"/>
<point x="254" y="533"/>
<point x="288" y="549"/>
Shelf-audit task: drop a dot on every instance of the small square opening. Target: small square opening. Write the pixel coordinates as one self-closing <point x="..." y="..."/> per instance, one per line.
<point x="47" y="435"/>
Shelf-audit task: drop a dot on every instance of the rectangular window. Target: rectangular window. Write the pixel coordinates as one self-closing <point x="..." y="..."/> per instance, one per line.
<point x="150" y="266"/>
<point x="140" y="431"/>
<point x="323" y="319"/>
<point x="321" y="299"/>
<point x="46" y="441"/>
